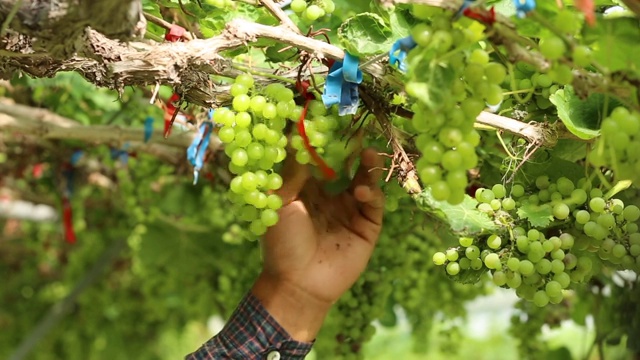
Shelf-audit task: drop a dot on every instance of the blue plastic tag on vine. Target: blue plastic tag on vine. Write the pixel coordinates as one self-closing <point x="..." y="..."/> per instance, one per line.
<point x="192" y="150"/>
<point x="148" y="128"/>
<point x="523" y="7"/>
<point x="76" y="156"/>
<point x="401" y="48"/>
<point x="341" y="86"/>
<point x="463" y="7"/>
<point x="198" y="148"/>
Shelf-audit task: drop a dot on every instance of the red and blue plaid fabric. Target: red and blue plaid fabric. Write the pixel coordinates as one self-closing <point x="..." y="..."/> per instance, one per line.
<point x="251" y="333"/>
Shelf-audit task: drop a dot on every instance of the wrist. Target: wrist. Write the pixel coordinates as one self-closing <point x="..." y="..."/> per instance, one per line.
<point x="297" y="311"/>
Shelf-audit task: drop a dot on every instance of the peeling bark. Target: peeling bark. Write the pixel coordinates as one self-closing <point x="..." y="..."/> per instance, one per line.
<point x="186" y="66"/>
<point x="58" y="26"/>
<point x="46" y="125"/>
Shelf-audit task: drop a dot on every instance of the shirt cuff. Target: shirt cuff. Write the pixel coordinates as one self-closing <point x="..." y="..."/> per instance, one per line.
<point x="252" y="333"/>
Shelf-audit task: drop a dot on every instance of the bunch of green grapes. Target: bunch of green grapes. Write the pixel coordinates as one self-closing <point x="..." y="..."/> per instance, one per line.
<point x="325" y="132"/>
<point x="312" y="10"/>
<point x="255" y="142"/>
<point x="529" y="86"/>
<point x="220" y="4"/>
<point x="398" y="273"/>
<point x="540" y="263"/>
<point x="445" y="111"/>
<point x="617" y="147"/>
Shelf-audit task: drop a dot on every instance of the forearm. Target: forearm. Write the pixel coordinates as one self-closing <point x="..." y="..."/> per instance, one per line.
<point x="271" y="318"/>
<point x="300" y="314"/>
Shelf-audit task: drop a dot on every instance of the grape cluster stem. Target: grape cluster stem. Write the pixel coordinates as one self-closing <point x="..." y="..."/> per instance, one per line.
<point x="276" y="11"/>
<point x="401" y="163"/>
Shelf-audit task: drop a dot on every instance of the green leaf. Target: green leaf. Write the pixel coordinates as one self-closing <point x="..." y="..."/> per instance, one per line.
<point x="538" y="215"/>
<point x="615" y="43"/>
<point x="435" y="91"/>
<point x="582" y="117"/>
<point x="401" y="23"/>
<point x="570" y="150"/>
<point x="468" y="276"/>
<point x="559" y="354"/>
<point x="462" y="218"/>
<point x="276" y="54"/>
<point x="544" y="163"/>
<point x="365" y="34"/>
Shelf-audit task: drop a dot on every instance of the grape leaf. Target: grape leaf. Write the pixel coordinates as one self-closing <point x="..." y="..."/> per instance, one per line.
<point x="462" y="218"/>
<point x="469" y="276"/>
<point x="538" y="215"/>
<point x="570" y="150"/>
<point x="365" y="34"/>
<point x="434" y="92"/>
<point x="276" y="53"/>
<point x="615" y="43"/>
<point x="547" y="163"/>
<point x="581" y="117"/>
<point x="560" y="353"/>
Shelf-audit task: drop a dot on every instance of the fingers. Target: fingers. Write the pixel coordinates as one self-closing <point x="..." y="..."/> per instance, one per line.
<point x="294" y="176"/>
<point x="368" y="194"/>
<point x="370" y="170"/>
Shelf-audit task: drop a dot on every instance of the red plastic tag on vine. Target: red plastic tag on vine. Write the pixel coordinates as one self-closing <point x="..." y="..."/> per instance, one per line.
<point x="38" y="170"/>
<point x="484" y="16"/>
<point x="170" y="111"/>
<point x="588" y="8"/>
<point x="175" y="33"/>
<point x="328" y="172"/>
<point x="67" y="221"/>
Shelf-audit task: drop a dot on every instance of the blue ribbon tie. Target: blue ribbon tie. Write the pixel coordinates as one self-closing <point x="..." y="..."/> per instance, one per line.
<point x="341" y="86"/>
<point x="197" y="149"/>
<point x="464" y="7"/>
<point x="121" y="154"/>
<point x="523" y="7"/>
<point x="402" y="48"/>
<point x="76" y="156"/>
<point x="148" y="128"/>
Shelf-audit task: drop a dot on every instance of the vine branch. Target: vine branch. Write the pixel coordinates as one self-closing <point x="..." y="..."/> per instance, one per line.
<point x="540" y="134"/>
<point x="165" y="24"/>
<point x="285" y="20"/>
<point x="401" y="163"/>
<point x="44" y="124"/>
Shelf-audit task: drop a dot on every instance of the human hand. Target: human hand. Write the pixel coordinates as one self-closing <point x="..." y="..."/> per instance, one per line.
<point x="320" y="246"/>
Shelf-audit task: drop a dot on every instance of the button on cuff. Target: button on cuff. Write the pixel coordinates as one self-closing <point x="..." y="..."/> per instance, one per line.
<point x="273" y="355"/>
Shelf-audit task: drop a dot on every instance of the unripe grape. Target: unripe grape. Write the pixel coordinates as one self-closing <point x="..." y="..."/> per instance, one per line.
<point x="597" y="204"/>
<point x="494" y="241"/>
<point x="472" y="252"/>
<point x="552" y="47"/>
<point x="453" y="268"/>
<point x="513" y="264"/>
<point x="495" y="72"/>
<point x="499" y="278"/>
<point x="631" y="213"/>
<point x="492" y="261"/>
<point x="541" y="298"/>
<point x="514" y="280"/>
<point x="439" y="258"/>
<point x="517" y="190"/>
<point x="465" y="241"/>
<point x="452" y="254"/>
<point x="561" y="211"/>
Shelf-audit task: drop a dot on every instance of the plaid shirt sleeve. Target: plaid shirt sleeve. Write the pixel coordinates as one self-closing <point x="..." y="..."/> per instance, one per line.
<point x="251" y="333"/>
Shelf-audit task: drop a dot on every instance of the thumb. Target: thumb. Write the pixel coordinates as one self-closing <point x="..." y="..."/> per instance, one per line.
<point x="294" y="177"/>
